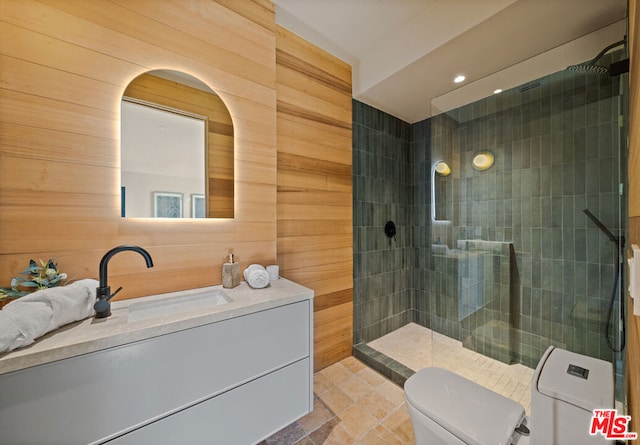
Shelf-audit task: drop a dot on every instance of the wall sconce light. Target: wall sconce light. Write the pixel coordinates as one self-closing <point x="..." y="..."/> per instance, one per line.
<point x="443" y="169"/>
<point x="482" y="161"/>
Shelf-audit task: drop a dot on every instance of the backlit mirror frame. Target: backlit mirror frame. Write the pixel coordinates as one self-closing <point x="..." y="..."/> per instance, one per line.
<point x="179" y="91"/>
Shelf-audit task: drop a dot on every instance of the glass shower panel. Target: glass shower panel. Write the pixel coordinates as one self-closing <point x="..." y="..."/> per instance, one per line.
<point x="517" y="265"/>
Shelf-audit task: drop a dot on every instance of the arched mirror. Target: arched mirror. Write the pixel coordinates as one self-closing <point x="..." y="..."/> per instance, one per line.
<point x="176" y="149"/>
<point x="441" y="190"/>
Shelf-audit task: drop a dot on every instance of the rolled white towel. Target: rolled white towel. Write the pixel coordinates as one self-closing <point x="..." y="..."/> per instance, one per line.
<point x="256" y="276"/>
<point x="22" y="323"/>
<point x="31" y="316"/>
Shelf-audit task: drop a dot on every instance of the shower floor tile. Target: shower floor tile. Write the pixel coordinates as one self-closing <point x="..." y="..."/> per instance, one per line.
<point x="418" y="347"/>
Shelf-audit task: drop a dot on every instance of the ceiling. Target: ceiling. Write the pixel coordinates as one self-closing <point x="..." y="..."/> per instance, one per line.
<point x="405" y="53"/>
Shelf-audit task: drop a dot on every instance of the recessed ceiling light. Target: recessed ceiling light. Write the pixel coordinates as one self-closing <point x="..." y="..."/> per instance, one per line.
<point x="497" y="91"/>
<point x="459" y="78"/>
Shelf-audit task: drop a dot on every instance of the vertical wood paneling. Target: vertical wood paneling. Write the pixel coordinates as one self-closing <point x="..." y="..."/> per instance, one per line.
<point x="315" y="241"/>
<point x="65" y="65"/>
<point x="633" y="331"/>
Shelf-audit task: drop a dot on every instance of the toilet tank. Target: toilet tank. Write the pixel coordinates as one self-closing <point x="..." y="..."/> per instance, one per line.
<point x="565" y="390"/>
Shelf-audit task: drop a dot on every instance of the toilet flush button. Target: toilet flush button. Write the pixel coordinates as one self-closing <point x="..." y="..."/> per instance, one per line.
<point x="578" y="371"/>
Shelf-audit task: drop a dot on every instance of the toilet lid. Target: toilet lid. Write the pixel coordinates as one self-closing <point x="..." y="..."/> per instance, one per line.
<point x="473" y="413"/>
<point x="591" y="391"/>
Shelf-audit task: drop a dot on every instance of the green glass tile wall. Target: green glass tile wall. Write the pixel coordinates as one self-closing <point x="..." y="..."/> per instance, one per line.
<point x="555" y="144"/>
<point x="383" y="267"/>
<point x="421" y="188"/>
<point x="556" y="153"/>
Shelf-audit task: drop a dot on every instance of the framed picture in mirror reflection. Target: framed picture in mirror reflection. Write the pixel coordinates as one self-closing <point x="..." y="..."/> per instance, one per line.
<point x="167" y="205"/>
<point x="198" y="208"/>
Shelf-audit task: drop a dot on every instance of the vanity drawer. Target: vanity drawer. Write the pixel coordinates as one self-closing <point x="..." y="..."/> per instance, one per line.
<point x="245" y="415"/>
<point x="100" y="395"/>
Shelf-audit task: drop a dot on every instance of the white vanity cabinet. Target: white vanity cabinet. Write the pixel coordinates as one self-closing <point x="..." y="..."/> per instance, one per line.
<point x="235" y="381"/>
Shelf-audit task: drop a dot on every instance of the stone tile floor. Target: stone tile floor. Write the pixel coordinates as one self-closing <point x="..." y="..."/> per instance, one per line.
<point x="353" y="405"/>
<point x="356" y="405"/>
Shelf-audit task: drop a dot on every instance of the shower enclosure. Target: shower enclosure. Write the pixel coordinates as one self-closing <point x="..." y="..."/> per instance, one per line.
<point x="502" y="259"/>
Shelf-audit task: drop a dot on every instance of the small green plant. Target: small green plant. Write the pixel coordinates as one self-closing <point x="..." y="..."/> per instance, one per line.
<point x="35" y="277"/>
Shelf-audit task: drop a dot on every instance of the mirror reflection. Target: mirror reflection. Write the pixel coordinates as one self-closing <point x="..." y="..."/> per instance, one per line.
<point x="441" y="189"/>
<point x="176" y="149"/>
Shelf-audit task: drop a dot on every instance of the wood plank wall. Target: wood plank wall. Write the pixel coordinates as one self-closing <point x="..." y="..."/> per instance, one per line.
<point x="160" y="91"/>
<point x="315" y="246"/>
<point x="65" y="65"/>
<point x="633" y="325"/>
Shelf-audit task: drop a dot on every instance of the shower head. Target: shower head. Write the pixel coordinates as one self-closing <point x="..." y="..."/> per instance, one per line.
<point x="591" y="67"/>
<point x="586" y="68"/>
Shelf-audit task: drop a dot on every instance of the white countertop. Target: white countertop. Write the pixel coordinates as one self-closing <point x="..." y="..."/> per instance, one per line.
<point x="91" y="334"/>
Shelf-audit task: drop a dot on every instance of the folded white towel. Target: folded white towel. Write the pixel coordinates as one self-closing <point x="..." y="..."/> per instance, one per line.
<point x="29" y="317"/>
<point x="256" y="276"/>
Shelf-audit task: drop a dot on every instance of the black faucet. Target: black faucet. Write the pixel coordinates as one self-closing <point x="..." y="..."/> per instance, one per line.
<point x="103" y="293"/>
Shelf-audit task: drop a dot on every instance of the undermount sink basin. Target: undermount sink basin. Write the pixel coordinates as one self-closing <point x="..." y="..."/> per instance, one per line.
<point x="163" y="307"/>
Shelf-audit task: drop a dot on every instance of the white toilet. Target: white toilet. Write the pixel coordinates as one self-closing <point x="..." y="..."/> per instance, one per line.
<point x="566" y="387"/>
